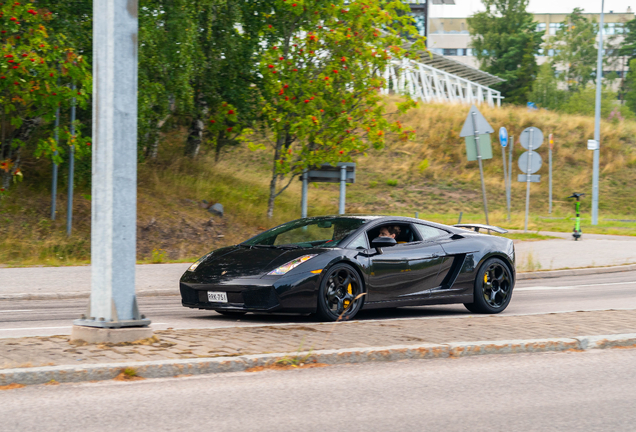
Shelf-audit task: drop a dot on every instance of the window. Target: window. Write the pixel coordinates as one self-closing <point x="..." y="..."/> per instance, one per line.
<point x="450" y="51"/>
<point x="428" y="232"/>
<point x="554" y="27"/>
<point x="541" y="27"/>
<point x="540" y="52"/>
<point x="359" y="242"/>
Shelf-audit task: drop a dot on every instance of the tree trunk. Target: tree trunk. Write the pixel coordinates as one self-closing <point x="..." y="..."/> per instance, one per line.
<point x="272" y="184"/>
<point x="195" y="137"/>
<point x="220" y="142"/>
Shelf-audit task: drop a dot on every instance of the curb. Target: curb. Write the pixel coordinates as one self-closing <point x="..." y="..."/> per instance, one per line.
<point x="575" y="272"/>
<point x="83" y="295"/>
<point x="175" y="292"/>
<point x="172" y="368"/>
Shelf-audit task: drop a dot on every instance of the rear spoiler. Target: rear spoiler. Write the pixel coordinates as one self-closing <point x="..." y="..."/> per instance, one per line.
<point x="477" y="227"/>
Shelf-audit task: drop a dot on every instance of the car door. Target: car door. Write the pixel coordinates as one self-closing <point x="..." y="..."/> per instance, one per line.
<point x="387" y="273"/>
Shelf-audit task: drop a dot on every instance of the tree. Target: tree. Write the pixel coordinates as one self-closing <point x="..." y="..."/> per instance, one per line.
<point x="630" y="86"/>
<point x="322" y="72"/>
<point x="505" y="41"/>
<point x="575" y="51"/>
<point x="545" y="92"/>
<point x="35" y="72"/>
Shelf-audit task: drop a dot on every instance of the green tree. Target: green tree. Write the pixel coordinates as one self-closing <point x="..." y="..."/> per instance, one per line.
<point x="575" y="50"/>
<point x="505" y="41"/>
<point x="630" y="86"/>
<point x="545" y="92"/>
<point x="322" y="72"/>
<point x="35" y="74"/>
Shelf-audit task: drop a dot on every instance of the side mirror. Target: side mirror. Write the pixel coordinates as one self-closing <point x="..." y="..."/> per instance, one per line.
<point x="379" y="242"/>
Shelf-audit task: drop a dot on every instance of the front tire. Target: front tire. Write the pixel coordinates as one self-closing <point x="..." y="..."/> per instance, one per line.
<point x="493" y="288"/>
<point x="341" y="294"/>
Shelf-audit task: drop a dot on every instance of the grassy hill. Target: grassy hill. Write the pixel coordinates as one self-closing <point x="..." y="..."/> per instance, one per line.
<point x="429" y="175"/>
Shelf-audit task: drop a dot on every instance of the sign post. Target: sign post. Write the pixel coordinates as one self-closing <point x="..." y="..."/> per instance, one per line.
<point x="551" y="142"/>
<point x="512" y="144"/>
<point x="474" y="125"/>
<point x="530" y="162"/>
<point x="503" y="140"/>
<point x="343" y="173"/>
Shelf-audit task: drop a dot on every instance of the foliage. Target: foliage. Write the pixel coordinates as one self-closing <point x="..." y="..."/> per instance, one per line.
<point x="545" y="92"/>
<point x="574" y="51"/>
<point x="505" y="41"/>
<point x="584" y="102"/>
<point x="322" y="72"/>
<point x="35" y="76"/>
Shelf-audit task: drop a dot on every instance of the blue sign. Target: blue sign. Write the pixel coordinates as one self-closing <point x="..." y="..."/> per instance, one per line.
<point x="503" y="136"/>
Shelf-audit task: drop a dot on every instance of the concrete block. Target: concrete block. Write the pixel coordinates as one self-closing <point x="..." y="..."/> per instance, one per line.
<point x="106" y="335"/>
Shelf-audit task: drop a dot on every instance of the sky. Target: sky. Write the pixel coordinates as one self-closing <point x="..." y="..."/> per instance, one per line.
<point x="464" y="8"/>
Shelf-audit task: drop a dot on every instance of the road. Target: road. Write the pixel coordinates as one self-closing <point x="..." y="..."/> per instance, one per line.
<point x="574" y="293"/>
<point x="578" y="391"/>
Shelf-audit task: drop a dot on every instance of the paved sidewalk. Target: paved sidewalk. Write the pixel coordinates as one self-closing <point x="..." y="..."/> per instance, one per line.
<point x="227" y="342"/>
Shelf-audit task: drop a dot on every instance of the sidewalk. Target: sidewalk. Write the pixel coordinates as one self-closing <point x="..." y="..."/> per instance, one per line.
<point x="180" y="345"/>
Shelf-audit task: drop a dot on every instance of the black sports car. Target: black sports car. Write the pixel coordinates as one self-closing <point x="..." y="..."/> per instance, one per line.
<point x="336" y="265"/>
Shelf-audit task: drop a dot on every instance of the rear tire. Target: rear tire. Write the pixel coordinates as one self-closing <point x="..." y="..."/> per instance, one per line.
<point x="341" y="294"/>
<point x="493" y="288"/>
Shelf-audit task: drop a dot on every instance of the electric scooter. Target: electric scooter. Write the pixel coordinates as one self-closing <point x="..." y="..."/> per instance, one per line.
<point x="577" y="206"/>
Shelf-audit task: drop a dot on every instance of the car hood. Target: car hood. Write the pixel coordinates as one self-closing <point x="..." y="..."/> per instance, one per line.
<point x="246" y="262"/>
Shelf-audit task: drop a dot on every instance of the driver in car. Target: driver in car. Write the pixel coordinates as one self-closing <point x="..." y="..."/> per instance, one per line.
<point x="389" y="231"/>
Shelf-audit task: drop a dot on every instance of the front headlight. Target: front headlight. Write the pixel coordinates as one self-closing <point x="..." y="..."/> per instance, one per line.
<point x="290" y="265"/>
<point x="194" y="266"/>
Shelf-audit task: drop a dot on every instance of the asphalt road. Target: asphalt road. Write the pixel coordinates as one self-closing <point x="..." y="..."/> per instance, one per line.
<point x="575" y="391"/>
<point x="574" y="293"/>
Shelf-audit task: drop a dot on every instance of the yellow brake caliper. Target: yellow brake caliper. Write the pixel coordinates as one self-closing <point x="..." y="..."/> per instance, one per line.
<point x="347" y="302"/>
<point x="486" y="278"/>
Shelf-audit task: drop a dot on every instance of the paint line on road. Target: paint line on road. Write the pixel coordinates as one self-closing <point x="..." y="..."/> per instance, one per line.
<point x="16" y="310"/>
<point x="543" y="288"/>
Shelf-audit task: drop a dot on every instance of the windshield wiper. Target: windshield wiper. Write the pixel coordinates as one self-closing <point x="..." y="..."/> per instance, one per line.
<point x="290" y="246"/>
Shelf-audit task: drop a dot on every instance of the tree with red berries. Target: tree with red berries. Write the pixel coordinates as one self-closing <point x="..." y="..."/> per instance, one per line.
<point x="322" y="81"/>
<point x="35" y="73"/>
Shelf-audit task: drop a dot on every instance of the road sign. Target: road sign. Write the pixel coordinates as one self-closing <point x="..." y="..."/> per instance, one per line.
<point x="481" y="125"/>
<point x="532" y="166"/>
<point x="592" y="145"/>
<point x="534" y="178"/>
<point x="551" y="141"/>
<point x="537" y="138"/>
<point x="503" y="136"/>
<point x="485" y="147"/>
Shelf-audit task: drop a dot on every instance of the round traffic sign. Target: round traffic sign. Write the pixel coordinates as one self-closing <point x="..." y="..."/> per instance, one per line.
<point x="535" y="162"/>
<point x="537" y="138"/>
<point x="503" y="136"/>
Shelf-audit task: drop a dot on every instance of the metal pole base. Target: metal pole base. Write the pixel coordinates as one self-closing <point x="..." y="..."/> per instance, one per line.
<point x="109" y="335"/>
<point x="92" y="322"/>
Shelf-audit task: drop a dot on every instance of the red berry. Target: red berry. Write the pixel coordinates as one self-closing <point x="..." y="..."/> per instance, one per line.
<point x="3" y="77"/>
<point x="270" y="26"/>
<point x="306" y="100"/>
<point x="295" y="70"/>
<point x="41" y="45"/>
<point x="24" y="55"/>
<point x="341" y="152"/>
<point x="51" y="74"/>
<point x="88" y="144"/>
<point x="270" y="66"/>
<point x="229" y="129"/>
<point x="16" y="83"/>
<point x="285" y="86"/>
<point x="212" y="121"/>
<point x="54" y="94"/>
<point x="230" y="112"/>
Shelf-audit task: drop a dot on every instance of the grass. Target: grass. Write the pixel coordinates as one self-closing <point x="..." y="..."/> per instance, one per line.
<point x="429" y="175"/>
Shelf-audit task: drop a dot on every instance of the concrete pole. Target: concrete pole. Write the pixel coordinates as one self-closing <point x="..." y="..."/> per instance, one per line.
<point x="303" y="199"/>
<point x="113" y="302"/>
<point x="597" y="120"/>
<point x="54" y="185"/>
<point x="71" y="172"/>
<point x="343" y="189"/>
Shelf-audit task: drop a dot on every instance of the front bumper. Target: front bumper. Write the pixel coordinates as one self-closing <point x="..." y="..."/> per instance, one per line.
<point x="295" y="294"/>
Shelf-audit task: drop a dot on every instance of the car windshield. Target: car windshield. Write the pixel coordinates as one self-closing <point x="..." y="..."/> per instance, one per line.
<point x="306" y="233"/>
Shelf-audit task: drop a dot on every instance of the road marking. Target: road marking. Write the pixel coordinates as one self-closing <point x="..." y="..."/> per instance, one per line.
<point x="541" y="288"/>
<point x="17" y="310"/>
<point x="47" y="328"/>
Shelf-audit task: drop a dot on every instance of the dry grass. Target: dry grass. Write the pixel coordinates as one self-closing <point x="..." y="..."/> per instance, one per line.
<point x="429" y="175"/>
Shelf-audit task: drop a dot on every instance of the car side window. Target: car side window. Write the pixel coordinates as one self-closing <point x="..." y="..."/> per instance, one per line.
<point x="428" y="232"/>
<point x="359" y="242"/>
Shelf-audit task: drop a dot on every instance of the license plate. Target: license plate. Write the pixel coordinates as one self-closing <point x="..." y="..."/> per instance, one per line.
<point x="217" y="297"/>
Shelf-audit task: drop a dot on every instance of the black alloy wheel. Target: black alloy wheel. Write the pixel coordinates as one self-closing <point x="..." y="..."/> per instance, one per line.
<point x="493" y="288"/>
<point x="341" y="294"/>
